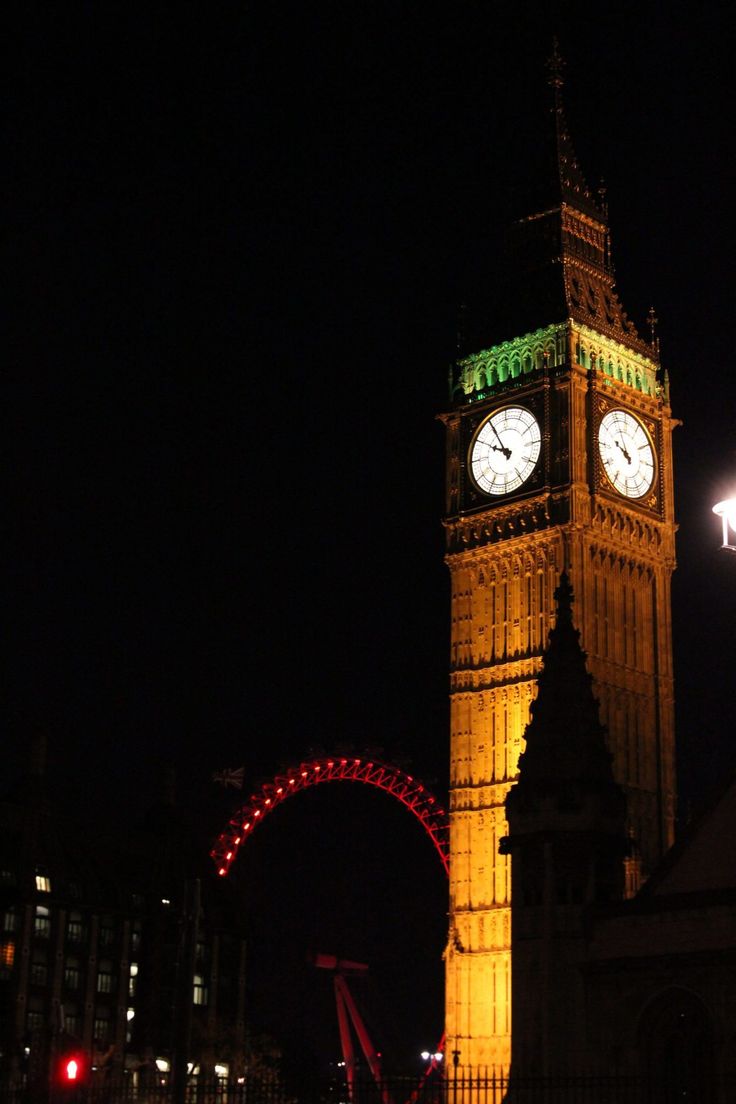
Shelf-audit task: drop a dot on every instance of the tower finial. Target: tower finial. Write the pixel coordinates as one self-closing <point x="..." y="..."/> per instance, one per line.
<point x="563" y="596"/>
<point x="555" y="67"/>
<point x="653" y="320"/>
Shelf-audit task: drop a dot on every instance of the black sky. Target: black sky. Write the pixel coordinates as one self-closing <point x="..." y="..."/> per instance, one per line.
<point x="238" y="239"/>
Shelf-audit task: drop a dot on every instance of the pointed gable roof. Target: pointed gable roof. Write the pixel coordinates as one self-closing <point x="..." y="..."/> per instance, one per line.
<point x="566" y="769"/>
<point x="565" y="740"/>
<point x="704" y="857"/>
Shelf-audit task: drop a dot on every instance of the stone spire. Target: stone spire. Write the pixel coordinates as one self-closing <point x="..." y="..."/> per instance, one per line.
<point x="565" y="774"/>
<point x="566" y="171"/>
<point x="557" y="260"/>
<point x="567" y="843"/>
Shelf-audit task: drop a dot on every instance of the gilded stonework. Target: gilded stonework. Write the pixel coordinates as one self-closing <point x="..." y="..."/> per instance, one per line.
<point x="505" y="556"/>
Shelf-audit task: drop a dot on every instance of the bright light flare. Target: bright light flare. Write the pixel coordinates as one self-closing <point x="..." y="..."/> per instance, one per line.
<point x="726" y="511"/>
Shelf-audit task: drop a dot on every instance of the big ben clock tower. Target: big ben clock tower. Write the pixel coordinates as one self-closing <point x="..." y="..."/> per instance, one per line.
<point x="558" y="458"/>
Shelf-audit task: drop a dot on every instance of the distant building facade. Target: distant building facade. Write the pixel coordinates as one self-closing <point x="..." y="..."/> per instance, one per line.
<point x="132" y="957"/>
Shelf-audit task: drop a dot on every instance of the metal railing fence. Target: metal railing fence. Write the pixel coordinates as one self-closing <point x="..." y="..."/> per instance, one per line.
<point x="465" y="1089"/>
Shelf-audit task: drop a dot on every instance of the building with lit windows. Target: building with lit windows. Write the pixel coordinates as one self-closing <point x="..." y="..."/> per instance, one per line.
<point x="119" y="945"/>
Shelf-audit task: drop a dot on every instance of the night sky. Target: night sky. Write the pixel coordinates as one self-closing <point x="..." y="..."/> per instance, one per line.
<point x="238" y="241"/>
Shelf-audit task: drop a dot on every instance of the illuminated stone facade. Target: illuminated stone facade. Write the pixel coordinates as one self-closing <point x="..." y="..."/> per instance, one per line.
<point x="505" y="554"/>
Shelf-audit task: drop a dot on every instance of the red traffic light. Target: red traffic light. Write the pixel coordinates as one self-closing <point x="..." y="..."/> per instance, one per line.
<point x="72" y="1069"/>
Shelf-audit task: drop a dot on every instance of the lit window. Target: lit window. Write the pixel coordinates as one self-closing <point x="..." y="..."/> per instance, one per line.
<point x="35" y="1016"/>
<point x="42" y="922"/>
<point x="132" y="980"/>
<point x="71" y="973"/>
<point x="107" y="931"/>
<point x="102" y="1025"/>
<point x="10" y="921"/>
<point x="43" y="883"/>
<point x="200" y="990"/>
<point x="39" y="969"/>
<point x="105" y="978"/>
<point x="7" y="957"/>
<point x="135" y="936"/>
<point x="75" y="928"/>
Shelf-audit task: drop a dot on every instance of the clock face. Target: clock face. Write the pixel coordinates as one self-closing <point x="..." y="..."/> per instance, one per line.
<point x="505" y="450"/>
<point x="626" y="453"/>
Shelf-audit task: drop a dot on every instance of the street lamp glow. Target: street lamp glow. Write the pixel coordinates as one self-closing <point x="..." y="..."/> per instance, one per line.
<point x="726" y="511"/>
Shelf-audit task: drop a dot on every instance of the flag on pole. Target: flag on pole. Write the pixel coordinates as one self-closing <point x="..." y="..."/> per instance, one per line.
<point x="229" y="777"/>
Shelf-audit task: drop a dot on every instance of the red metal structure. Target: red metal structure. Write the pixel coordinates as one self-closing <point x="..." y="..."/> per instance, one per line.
<point x="412" y="793"/>
<point x="347" y="1013"/>
<point x="409" y="791"/>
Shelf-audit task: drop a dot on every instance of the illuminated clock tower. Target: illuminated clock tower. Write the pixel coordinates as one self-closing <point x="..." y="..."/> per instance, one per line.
<point x="558" y="458"/>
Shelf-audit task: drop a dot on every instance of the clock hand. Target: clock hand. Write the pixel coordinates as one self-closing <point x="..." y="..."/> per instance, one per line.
<point x="623" y="450"/>
<point x="506" y="451"/>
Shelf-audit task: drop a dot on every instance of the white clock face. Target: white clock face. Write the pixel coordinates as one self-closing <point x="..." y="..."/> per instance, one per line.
<point x="505" y="450"/>
<point x="626" y="453"/>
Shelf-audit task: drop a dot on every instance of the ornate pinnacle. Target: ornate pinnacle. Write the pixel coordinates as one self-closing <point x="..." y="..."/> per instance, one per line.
<point x="564" y="598"/>
<point x="654" y="340"/>
<point x="555" y="66"/>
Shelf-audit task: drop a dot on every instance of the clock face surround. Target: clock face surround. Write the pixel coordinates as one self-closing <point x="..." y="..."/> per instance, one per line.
<point x="504" y="450"/>
<point x="626" y="453"/>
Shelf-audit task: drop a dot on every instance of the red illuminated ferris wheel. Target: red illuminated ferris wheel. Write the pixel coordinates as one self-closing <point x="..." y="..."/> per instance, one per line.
<point x="412" y="793"/>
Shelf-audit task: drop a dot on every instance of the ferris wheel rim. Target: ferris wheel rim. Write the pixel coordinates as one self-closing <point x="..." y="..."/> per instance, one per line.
<point x="411" y="792"/>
